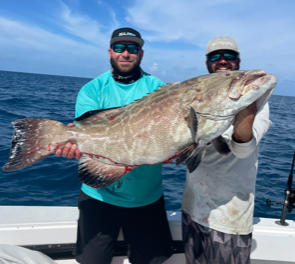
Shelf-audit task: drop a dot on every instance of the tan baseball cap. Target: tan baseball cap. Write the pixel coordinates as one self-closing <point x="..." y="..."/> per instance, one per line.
<point x="222" y="43"/>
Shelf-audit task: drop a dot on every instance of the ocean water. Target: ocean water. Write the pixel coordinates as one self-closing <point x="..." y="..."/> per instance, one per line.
<point x="54" y="182"/>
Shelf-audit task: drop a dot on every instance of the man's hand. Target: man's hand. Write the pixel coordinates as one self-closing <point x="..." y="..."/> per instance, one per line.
<point x="70" y="150"/>
<point x="243" y="124"/>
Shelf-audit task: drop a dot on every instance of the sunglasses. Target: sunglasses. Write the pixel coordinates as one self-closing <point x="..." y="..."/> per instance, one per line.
<point x="120" y="48"/>
<point x="217" y="56"/>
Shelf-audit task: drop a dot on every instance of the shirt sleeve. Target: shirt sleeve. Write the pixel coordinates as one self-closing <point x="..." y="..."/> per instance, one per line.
<point x="260" y="127"/>
<point x="86" y="100"/>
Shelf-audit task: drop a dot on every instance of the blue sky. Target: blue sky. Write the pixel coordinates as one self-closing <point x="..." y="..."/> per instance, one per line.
<point x="71" y="37"/>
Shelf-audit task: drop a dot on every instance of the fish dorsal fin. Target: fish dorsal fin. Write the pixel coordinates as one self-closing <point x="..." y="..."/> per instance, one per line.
<point x="111" y="113"/>
<point x="171" y="83"/>
<point x="99" y="175"/>
<point x="159" y="90"/>
<point x="95" y="115"/>
<point x="221" y="146"/>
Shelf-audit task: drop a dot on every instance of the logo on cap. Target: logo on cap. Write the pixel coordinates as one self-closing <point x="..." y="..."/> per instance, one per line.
<point x="126" y="34"/>
<point x="222" y="43"/>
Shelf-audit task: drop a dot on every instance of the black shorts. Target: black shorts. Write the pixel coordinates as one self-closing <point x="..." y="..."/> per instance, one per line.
<point x="145" y="229"/>
<point x="204" y="245"/>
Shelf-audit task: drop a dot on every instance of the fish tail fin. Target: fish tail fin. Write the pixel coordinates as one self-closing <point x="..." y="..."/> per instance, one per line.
<point x="32" y="141"/>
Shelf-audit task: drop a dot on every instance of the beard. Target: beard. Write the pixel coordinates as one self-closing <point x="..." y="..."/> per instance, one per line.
<point x="229" y="66"/>
<point x="125" y="71"/>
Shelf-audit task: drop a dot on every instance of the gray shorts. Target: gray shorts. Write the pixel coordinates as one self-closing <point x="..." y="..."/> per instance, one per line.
<point x="204" y="245"/>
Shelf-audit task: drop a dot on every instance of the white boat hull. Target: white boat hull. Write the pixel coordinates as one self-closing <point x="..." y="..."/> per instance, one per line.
<point x="34" y="227"/>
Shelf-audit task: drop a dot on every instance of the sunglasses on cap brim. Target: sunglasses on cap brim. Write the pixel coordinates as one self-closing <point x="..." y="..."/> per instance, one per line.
<point x="131" y="48"/>
<point x="217" y="56"/>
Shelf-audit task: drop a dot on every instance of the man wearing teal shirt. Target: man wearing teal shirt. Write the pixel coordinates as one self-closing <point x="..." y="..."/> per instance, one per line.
<point x="135" y="202"/>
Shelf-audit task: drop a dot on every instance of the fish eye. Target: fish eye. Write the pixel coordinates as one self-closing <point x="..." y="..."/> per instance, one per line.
<point x="226" y="74"/>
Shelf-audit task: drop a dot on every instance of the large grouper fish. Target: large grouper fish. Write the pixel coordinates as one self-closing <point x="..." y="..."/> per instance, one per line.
<point x="174" y="122"/>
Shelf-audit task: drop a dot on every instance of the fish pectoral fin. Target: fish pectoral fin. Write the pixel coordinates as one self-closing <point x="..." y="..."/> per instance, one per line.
<point x="192" y="122"/>
<point x="97" y="174"/>
<point x="185" y="154"/>
<point x="195" y="159"/>
<point x="221" y="146"/>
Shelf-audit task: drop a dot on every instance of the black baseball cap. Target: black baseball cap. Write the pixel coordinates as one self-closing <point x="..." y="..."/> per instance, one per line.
<point x="127" y="34"/>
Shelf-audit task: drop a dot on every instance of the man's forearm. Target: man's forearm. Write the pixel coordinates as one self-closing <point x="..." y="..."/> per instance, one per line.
<point x="243" y="124"/>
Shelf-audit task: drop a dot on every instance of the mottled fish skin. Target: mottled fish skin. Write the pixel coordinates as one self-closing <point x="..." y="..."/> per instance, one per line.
<point x="175" y="121"/>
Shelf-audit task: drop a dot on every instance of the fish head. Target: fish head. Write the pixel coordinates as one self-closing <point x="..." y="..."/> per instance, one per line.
<point x="250" y="86"/>
<point x="226" y="93"/>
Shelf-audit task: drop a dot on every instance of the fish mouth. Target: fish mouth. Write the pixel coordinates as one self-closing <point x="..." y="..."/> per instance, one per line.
<point x="254" y="82"/>
<point x="245" y="86"/>
<point x="245" y="82"/>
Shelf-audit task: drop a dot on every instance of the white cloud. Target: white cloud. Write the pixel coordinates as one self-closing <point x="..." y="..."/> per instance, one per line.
<point x="82" y="26"/>
<point x="261" y="33"/>
<point x="185" y="20"/>
<point x="29" y="36"/>
<point x="34" y="48"/>
<point x="154" y="67"/>
<point x="176" y="34"/>
<point x="196" y="22"/>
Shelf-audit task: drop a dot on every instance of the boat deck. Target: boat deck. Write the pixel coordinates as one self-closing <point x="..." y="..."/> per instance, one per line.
<point x="52" y="230"/>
